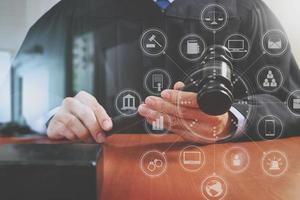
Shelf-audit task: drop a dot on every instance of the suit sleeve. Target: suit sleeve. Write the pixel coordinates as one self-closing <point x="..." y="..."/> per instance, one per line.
<point x="260" y="20"/>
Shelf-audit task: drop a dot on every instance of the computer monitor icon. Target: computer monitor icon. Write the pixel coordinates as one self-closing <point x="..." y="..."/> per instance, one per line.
<point x="236" y="46"/>
<point x="192" y="158"/>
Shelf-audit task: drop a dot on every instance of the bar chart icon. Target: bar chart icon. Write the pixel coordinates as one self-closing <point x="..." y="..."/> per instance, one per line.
<point x="158" y="124"/>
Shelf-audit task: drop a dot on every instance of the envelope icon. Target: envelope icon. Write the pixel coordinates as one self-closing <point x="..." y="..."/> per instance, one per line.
<point x="274" y="43"/>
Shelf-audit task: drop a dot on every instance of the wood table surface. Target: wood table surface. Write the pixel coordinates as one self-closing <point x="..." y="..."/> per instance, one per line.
<point x="124" y="179"/>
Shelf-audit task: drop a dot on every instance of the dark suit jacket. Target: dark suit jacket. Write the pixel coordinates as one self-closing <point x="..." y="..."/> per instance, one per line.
<point x="117" y="26"/>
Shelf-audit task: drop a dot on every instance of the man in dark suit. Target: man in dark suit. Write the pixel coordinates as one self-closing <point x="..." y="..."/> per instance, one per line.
<point x="120" y="63"/>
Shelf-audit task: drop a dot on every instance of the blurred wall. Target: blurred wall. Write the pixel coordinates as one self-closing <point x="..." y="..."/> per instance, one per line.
<point x="16" y="17"/>
<point x="288" y="14"/>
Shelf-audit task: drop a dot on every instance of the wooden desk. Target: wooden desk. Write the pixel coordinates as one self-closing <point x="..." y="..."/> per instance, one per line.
<point x="124" y="179"/>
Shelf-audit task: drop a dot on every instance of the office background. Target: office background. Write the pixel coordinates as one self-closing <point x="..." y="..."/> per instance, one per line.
<point x="37" y="94"/>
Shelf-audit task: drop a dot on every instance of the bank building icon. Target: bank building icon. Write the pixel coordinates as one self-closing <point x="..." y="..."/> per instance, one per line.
<point x="128" y="102"/>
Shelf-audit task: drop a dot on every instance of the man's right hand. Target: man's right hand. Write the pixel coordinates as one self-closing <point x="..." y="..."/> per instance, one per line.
<point x="80" y="118"/>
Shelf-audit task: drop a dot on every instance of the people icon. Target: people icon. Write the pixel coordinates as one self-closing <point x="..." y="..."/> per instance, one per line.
<point x="274" y="83"/>
<point x="266" y="83"/>
<point x="270" y="75"/>
<point x="236" y="161"/>
<point x="270" y="81"/>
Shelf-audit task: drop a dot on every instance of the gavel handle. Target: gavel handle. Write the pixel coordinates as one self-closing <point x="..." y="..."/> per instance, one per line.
<point x="121" y="123"/>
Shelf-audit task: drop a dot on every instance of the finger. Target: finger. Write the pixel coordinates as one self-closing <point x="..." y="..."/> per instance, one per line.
<point x="65" y="132"/>
<point x="179" y="85"/>
<point x="197" y="133"/>
<point x="159" y="104"/>
<point x="103" y="118"/>
<point x="187" y="99"/>
<point x="85" y="115"/>
<point x="53" y="132"/>
<point x="197" y="127"/>
<point x="73" y="124"/>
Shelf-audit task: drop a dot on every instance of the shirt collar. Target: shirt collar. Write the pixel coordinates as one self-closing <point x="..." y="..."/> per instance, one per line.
<point x="171" y="1"/>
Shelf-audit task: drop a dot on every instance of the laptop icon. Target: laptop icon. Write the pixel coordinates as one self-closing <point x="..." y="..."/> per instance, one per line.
<point x="237" y="46"/>
<point x="192" y="158"/>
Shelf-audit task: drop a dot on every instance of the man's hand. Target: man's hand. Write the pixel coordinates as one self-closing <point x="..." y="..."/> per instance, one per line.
<point x="182" y="106"/>
<point x="80" y="118"/>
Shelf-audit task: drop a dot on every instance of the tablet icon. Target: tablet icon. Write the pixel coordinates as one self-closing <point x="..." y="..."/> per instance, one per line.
<point x="270" y="127"/>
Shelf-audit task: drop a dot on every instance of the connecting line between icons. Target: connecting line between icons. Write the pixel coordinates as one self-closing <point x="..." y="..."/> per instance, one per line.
<point x="255" y="143"/>
<point x="214" y="39"/>
<point x="252" y="64"/>
<point x="172" y="144"/>
<point x="214" y="157"/>
<point x="285" y="89"/>
<point x="179" y="67"/>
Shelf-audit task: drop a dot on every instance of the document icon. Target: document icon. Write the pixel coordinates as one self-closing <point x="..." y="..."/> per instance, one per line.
<point x="193" y="47"/>
<point x="274" y="43"/>
<point x="296" y="103"/>
<point x="157" y="81"/>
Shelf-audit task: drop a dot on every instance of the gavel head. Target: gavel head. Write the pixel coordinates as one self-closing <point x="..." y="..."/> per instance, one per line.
<point x="213" y="81"/>
<point x="152" y="38"/>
